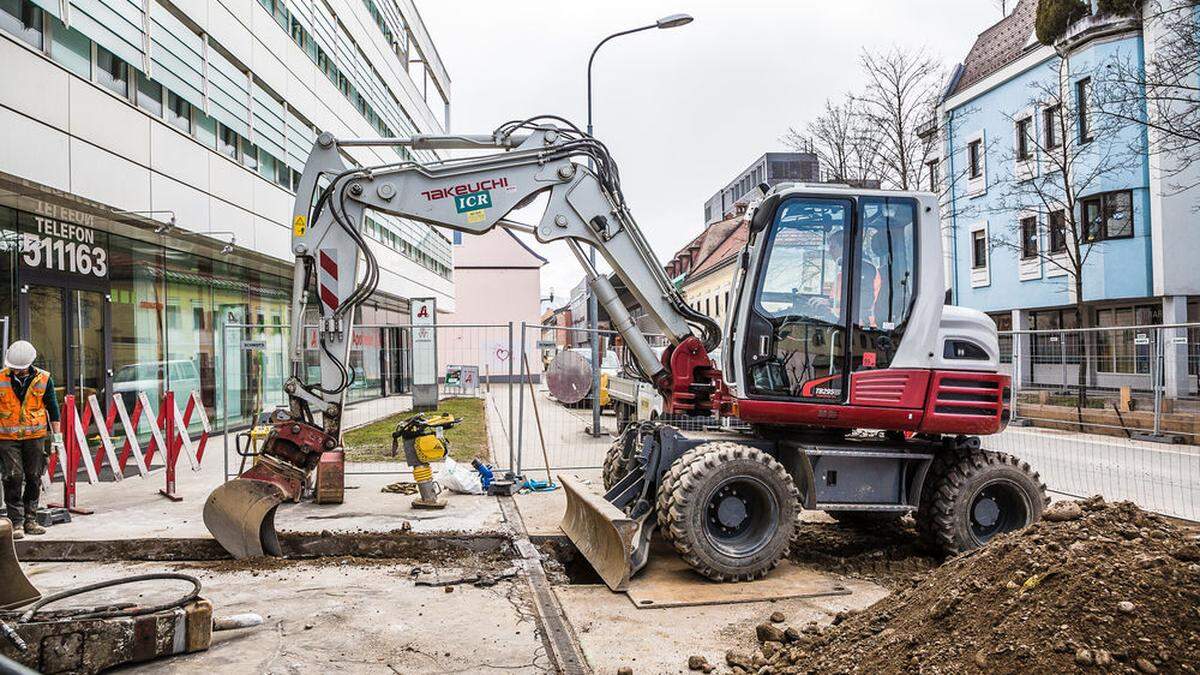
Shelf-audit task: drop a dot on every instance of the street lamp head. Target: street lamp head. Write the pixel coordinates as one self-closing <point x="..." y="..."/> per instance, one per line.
<point x="674" y="20"/>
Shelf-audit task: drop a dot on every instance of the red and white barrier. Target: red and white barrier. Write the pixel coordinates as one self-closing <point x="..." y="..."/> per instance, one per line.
<point x="168" y="433"/>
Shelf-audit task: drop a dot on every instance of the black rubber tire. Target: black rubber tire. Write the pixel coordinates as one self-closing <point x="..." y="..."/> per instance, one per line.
<point x="866" y="520"/>
<point x="662" y="499"/>
<point x="615" y="465"/>
<point x="976" y="475"/>
<point x="942" y="462"/>
<point x="704" y="472"/>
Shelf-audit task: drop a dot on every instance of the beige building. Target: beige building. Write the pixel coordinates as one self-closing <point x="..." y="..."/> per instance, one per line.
<point x="703" y="269"/>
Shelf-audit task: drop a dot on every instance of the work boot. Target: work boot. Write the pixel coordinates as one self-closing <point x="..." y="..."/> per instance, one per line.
<point x="32" y="527"/>
<point x="17" y="533"/>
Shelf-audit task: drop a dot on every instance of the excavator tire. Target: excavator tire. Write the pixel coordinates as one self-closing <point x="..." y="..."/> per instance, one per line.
<point x="731" y="510"/>
<point x="942" y="461"/>
<point x="614" y="463"/>
<point x="978" y="494"/>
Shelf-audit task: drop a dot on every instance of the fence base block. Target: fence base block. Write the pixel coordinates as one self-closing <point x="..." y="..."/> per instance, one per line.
<point x="77" y="510"/>
<point x="170" y="494"/>
<point x="1168" y="439"/>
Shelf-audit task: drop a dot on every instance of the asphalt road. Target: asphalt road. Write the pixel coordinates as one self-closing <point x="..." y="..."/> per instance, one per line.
<point x="1157" y="477"/>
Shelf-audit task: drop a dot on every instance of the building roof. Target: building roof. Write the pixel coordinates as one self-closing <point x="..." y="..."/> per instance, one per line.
<point x="728" y="249"/>
<point x="999" y="45"/>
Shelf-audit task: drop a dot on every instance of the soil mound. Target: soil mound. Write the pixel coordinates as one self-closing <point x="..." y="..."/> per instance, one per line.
<point x="1093" y="586"/>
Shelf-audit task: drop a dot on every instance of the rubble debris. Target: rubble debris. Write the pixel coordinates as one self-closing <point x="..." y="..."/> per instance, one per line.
<point x="778" y="617"/>
<point x="700" y="663"/>
<point x="1113" y="588"/>
<point x="404" y="487"/>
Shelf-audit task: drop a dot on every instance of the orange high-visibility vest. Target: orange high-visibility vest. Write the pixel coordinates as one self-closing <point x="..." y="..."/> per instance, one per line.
<point x="23" y="420"/>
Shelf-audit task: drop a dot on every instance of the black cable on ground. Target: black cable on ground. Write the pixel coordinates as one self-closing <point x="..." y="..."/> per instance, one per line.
<point x="105" y="612"/>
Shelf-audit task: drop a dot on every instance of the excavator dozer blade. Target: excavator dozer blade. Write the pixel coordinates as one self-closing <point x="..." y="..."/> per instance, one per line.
<point x="241" y="516"/>
<point x="15" y="589"/>
<point x="602" y="533"/>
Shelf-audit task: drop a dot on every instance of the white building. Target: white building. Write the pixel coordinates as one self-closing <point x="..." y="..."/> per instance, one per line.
<point x="149" y="154"/>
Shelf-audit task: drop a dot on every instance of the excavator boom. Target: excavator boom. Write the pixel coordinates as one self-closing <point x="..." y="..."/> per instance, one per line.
<point x="585" y="207"/>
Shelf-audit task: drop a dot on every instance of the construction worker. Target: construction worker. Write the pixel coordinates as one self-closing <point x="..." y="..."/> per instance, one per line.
<point x="28" y="414"/>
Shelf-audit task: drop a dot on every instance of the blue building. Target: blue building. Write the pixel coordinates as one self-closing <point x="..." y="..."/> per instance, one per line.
<point x="1014" y="114"/>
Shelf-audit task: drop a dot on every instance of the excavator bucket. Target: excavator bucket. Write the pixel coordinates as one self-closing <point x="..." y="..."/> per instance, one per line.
<point x="603" y="533"/>
<point x="241" y="516"/>
<point x="15" y="589"/>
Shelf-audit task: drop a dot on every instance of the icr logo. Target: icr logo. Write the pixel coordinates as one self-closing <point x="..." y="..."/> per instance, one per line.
<point x="473" y="201"/>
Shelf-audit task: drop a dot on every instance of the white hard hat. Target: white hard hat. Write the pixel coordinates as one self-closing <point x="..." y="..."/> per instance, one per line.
<point x="20" y="355"/>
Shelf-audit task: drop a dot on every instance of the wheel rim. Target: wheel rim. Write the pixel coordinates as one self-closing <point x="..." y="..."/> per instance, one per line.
<point x="740" y="516"/>
<point x="999" y="506"/>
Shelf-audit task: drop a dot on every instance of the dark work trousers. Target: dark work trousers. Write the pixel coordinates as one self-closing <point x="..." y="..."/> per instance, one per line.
<point x="22" y="464"/>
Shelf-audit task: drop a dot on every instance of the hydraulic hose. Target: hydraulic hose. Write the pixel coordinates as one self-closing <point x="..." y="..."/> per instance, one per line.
<point x="105" y="612"/>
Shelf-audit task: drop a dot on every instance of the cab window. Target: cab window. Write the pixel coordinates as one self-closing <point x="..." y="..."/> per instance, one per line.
<point x="886" y="278"/>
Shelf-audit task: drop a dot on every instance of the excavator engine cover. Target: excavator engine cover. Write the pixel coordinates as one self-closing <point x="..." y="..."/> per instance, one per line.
<point x="15" y="589"/>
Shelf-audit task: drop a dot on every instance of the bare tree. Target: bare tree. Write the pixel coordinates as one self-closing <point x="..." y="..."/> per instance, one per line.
<point x="901" y="92"/>
<point x="845" y="149"/>
<point x="1047" y="175"/>
<point x="1163" y="94"/>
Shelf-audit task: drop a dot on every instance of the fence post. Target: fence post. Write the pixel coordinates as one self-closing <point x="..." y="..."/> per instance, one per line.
<point x="521" y="403"/>
<point x="171" y="451"/>
<point x="512" y="466"/>
<point x="224" y="403"/>
<point x="1015" y="386"/>
<point x="1157" y="380"/>
<point x="70" y="459"/>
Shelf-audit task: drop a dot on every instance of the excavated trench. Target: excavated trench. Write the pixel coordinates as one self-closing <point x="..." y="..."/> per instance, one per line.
<point x="440" y="549"/>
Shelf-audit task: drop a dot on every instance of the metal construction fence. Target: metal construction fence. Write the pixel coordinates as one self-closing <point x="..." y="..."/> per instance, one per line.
<point x="1110" y="411"/>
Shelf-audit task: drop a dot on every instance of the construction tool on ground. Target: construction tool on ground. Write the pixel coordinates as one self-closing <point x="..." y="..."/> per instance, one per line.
<point x="836" y="321"/>
<point x="15" y="589"/>
<point x="84" y="640"/>
<point x="424" y="439"/>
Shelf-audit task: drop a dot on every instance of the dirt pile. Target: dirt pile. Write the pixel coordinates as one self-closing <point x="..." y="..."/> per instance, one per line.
<point x="889" y="554"/>
<point x="1095" y="586"/>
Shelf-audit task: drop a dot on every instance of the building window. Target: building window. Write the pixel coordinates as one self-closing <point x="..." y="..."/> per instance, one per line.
<point x="1107" y="216"/>
<point x="932" y="165"/>
<point x="227" y="141"/>
<point x="1024" y="139"/>
<point x="1029" y="237"/>
<point x="1118" y="351"/>
<point x="111" y="72"/>
<point x="1004" y="328"/>
<point x="179" y="113"/>
<point x="70" y="49"/>
<point x="22" y="19"/>
<point x="1083" y="97"/>
<point x="149" y="95"/>
<point x="975" y="158"/>
<point x="1058" y="231"/>
<point x="249" y="155"/>
<point x="1050" y="134"/>
<point x="1065" y="345"/>
<point x="978" y="250"/>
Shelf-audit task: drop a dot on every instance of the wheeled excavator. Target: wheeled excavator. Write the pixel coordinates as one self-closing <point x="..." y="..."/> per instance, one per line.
<point x="864" y="393"/>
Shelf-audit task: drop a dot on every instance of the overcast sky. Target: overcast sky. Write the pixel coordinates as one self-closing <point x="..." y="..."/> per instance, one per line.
<point x="682" y="110"/>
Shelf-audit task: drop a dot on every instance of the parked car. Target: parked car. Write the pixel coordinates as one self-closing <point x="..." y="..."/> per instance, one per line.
<point x="152" y="377"/>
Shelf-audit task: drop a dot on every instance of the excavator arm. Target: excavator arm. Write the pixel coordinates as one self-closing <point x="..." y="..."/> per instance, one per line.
<point x="336" y="270"/>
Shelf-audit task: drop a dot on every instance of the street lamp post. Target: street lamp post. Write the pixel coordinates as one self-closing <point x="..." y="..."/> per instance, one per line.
<point x="671" y="21"/>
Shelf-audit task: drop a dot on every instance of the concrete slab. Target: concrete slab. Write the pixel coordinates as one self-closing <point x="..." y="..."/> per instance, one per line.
<point x="615" y="633"/>
<point x="344" y="618"/>
<point x="542" y="511"/>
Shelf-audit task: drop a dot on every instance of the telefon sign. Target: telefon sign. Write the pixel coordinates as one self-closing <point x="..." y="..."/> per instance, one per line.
<point x="58" y="246"/>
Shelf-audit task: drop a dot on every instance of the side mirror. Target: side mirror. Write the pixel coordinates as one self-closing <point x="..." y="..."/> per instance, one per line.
<point x="765" y="214"/>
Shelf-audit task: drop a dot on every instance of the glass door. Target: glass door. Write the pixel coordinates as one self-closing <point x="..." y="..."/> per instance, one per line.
<point x="68" y="327"/>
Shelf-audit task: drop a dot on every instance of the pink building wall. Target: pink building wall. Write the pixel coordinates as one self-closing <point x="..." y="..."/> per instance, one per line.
<point x="497" y="279"/>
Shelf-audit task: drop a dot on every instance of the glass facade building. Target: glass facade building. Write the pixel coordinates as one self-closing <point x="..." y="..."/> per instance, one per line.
<point x="147" y="187"/>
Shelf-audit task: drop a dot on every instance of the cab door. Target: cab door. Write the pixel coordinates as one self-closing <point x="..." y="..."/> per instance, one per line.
<point x="796" y="345"/>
